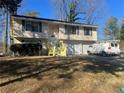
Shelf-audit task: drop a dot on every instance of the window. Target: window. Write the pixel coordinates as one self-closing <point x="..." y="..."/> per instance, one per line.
<point x="28" y="26"/>
<point x="88" y="31"/>
<point x="71" y="30"/>
<point x="31" y="26"/>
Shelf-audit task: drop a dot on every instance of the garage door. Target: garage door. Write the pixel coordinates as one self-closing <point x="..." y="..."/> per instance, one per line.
<point x="74" y="49"/>
<point x="78" y="49"/>
<point x="85" y="49"/>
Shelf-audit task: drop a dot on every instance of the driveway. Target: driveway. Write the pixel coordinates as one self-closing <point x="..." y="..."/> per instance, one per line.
<point x="113" y="60"/>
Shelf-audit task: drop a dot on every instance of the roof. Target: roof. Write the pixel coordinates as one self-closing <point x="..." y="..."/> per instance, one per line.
<point x="52" y="21"/>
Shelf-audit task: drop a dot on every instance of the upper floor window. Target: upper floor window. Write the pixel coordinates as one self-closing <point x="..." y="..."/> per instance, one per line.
<point x="88" y="31"/>
<point x="31" y="26"/>
<point x="71" y="30"/>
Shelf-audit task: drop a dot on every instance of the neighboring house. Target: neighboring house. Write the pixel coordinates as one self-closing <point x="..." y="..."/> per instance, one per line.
<point x="76" y="36"/>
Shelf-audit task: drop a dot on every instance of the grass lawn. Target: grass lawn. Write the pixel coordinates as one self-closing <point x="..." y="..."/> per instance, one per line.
<point x="59" y="75"/>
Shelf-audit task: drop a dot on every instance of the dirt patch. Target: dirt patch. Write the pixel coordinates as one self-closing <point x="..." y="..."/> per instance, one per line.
<point x="60" y="75"/>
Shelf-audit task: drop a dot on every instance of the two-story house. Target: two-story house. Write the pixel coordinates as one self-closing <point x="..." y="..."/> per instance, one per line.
<point x="76" y="36"/>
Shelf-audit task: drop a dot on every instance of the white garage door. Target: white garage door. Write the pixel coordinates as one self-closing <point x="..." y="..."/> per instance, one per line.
<point x="85" y="48"/>
<point x="78" y="49"/>
<point x="74" y="49"/>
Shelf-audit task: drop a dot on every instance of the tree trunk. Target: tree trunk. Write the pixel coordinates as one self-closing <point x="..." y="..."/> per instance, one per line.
<point x="6" y="34"/>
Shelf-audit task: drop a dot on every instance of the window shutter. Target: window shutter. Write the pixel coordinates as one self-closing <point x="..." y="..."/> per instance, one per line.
<point x="40" y="27"/>
<point x="66" y="29"/>
<point x="23" y="25"/>
<point x="91" y="31"/>
<point x="77" y="30"/>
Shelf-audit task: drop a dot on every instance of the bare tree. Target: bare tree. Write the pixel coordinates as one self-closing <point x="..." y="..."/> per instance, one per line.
<point x="87" y="11"/>
<point x="112" y="29"/>
<point x="95" y="9"/>
<point x="68" y="10"/>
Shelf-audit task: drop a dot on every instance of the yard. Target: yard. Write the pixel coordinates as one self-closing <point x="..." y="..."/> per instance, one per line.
<point x="60" y="75"/>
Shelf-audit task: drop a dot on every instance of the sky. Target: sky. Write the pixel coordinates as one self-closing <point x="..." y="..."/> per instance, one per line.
<point x="115" y="8"/>
<point x="47" y="10"/>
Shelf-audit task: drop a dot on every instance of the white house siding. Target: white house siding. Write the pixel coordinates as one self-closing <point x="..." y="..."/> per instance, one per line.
<point x="77" y="48"/>
<point x="58" y="30"/>
<point x="79" y="36"/>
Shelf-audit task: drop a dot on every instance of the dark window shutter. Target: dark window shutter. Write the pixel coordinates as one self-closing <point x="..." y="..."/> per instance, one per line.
<point x="40" y="27"/>
<point x="23" y="25"/>
<point x="77" y="28"/>
<point x="66" y="29"/>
